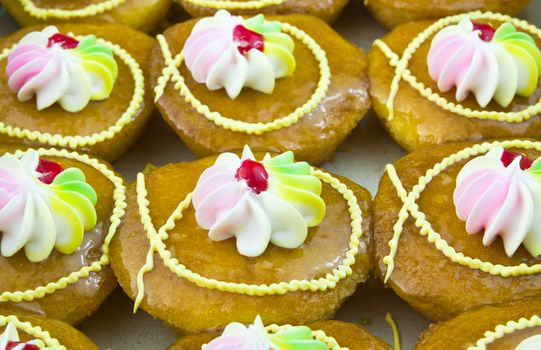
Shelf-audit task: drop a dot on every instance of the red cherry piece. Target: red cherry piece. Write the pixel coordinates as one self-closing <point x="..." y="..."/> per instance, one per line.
<point x="13" y="344"/>
<point x="508" y="158"/>
<point x="487" y="31"/>
<point x="48" y="170"/>
<point x="255" y="175"/>
<point x="247" y="39"/>
<point x="67" y="42"/>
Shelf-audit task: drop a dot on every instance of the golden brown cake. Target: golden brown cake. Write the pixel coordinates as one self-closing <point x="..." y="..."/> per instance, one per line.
<point x="437" y="97"/>
<point x="144" y="15"/>
<point x="291" y="254"/>
<point x="99" y="105"/>
<point x="58" y="213"/>
<point x="511" y="326"/>
<point x="467" y="235"/>
<point x="311" y="109"/>
<point x="37" y="332"/>
<point x="334" y="334"/>
<point x="328" y="10"/>
<point x="391" y="13"/>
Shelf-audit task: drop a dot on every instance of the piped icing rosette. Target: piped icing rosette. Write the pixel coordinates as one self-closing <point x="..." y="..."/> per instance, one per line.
<point x="230" y="52"/>
<point x="9" y="340"/>
<point x="493" y="64"/>
<point x="237" y="336"/>
<point x="500" y="192"/>
<point x="531" y="343"/>
<point x="43" y="207"/>
<point x="57" y="68"/>
<point x="275" y="200"/>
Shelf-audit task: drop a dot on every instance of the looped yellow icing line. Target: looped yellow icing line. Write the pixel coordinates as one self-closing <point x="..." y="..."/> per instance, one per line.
<point x="235" y="5"/>
<point x="43" y="337"/>
<point x="91" y="10"/>
<point x="403" y="73"/>
<point x="157" y="238"/>
<point x="171" y="73"/>
<point x="78" y="141"/>
<point x="410" y="207"/>
<point x="394" y="328"/>
<point x="501" y="330"/>
<point x="117" y="214"/>
<point x="318" y="335"/>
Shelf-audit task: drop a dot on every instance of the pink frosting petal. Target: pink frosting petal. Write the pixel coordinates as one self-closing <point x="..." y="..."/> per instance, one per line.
<point x="218" y="203"/>
<point x="229" y="343"/>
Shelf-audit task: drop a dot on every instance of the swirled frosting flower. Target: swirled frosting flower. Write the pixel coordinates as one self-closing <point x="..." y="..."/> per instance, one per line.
<point x="531" y="343"/>
<point x="43" y="207"/>
<point x="237" y="336"/>
<point x="275" y="200"/>
<point x="500" y="193"/>
<point x="9" y="340"/>
<point x="492" y="64"/>
<point x="230" y="52"/>
<point x="58" y="68"/>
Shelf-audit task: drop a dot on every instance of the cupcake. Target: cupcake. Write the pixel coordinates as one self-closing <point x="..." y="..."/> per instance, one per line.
<point x="457" y="226"/>
<point x="463" y="78"/>
<point x="328" y="10"/>
<point x="322" y="335"/>
<point x="242" y="236"/>
<point x="76" y="86"/>
<point x="511" y="326"/>
<point x="143" y="15"/>
<point x="224" y="81"/>
<point x="21" y="331"/>
<point x="58" y="213"/>
<point x="391" y="13"/>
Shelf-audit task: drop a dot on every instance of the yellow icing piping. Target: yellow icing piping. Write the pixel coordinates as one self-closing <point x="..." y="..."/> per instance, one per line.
<point x="117" y="214"/>
<point x="157" y="238"/>
<point x="171" y="73"/>
<point x="410" y="207"/>
<point x="235" y="5"/>
<point x="88" y="11"/>
<point x="403" y="73"/>
<point x="501" y="330"/>
<point x="43" y="337"/>
<point x="394" y="328"/>
<point x="77" y="141"/>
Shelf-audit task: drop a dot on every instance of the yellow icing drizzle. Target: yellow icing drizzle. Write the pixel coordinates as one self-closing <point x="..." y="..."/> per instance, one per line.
<point x="171" y="73"/>
<point x="77" y="141"/>
<point x="235" y="5"/>
<point x="411" y="208"/>
<point x="501" y="330"/>
<point x="402" y="72"/>
<point x="394" y="328"/>
<point x="157" y="238"/>
<point x="43" y="337"/>
<point x="88" y="11"/>
<point x="118" y="212"/>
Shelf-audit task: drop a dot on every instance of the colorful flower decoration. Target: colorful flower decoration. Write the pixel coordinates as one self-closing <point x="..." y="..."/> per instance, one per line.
<point x="43" y="207"/>
<point x="493" y="64"/>
<point x="230" y="52"/>
<point x="9" y="340"/>
<point x="57" y="68"/>
<point x="275" y="200"/>
<point x="500" y="192"/>
<point x="237" y="336"/>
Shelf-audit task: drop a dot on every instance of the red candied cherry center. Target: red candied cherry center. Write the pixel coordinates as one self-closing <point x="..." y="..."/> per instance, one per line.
<point x="247" y="39"/>
<point x="48" y="171"/>
<point x="255" y="175"/>
<point x="13" y="344"/>
<point x="508" y="158"/>
<point x="486" y="31"/>
<point x="66" y="42"/>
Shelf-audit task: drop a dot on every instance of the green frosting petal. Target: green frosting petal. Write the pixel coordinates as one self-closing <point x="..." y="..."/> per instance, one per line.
<point x="536" y="168"/>
<point x="297" y="338"/>
<point x="260" y="25"/>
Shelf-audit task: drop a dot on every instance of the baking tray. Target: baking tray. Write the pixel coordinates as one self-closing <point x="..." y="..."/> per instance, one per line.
<point x="362" y="158"/>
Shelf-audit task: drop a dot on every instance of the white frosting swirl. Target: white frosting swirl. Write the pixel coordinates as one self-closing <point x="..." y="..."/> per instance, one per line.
<point x="504" y="201"/>
<point x="11" y="337"/>
<point x="279" y="211"/>
<point x="531" y="343"/>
